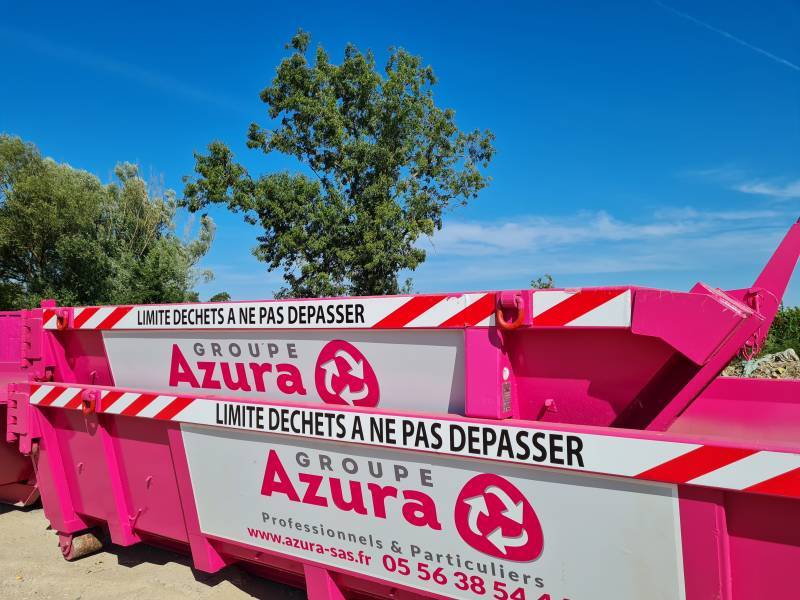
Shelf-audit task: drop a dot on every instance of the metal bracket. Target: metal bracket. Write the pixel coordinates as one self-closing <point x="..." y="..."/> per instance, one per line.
<point x="514" y="303"/>
<point x="20" y="424"/>
<point x="32" y="351"/>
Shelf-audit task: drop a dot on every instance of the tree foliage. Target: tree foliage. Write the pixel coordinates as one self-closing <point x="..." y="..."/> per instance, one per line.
<point x="220" y="297"/>
<point x="65" y="235"/>
<point x="383" y="164"/>
<point x="544" y="282"/>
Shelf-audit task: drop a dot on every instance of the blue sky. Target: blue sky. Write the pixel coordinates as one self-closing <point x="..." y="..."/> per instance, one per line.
<point x="637" y="142"/>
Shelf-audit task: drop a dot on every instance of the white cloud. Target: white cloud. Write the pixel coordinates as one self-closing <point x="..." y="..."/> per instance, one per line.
<point x="543" y="234"/>
<point x="734" y="178"/>
<point x="729" y="172"/>
<point x="673" y="247"/>
<point x="720" y="215"/>
<point x="784" y="191"/>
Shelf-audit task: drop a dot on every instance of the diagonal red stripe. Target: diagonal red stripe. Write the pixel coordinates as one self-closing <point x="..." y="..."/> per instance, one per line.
<point x="109" y="399"/>
<point x="47" y="314"/>
<point x="51" y="396"/>
<point x="173" y="408"/>
<point x="75" y="402"/>
<point x="84" y="316"/>
<point x="694" y="464"/>
<point x="474" y="313"/>
<point x="409" y="311"/>
<point x="573" y="307"/>
<point x="137" y="405"/>
<point x="786" y="484"/>
<point x="114" y="317"/>
<point x="33" y="388"/>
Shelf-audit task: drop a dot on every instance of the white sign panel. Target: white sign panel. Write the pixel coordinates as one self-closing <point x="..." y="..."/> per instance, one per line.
<point x="460" y="528"/>
<point x="403" y="370"/>
<point x="325" y="313"/>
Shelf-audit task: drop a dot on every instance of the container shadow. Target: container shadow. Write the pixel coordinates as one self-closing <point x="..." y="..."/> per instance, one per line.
<point x="8" y="508"/>
<point x="145" y="553"/>
<point x="257" y="587"/>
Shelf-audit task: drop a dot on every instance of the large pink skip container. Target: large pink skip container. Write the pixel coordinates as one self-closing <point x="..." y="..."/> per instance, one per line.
<point x="19" y="350"/>
<point x="569" y="444"/>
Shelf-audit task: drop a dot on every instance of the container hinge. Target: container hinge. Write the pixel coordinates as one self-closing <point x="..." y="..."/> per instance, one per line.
<point x="754" y="344"/>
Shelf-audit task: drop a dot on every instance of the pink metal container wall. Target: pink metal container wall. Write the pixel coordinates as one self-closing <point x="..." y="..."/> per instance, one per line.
<point x="547" y="444"/>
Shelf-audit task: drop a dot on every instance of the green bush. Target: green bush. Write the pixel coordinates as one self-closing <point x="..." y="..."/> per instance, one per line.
<point x="785" y="330"/>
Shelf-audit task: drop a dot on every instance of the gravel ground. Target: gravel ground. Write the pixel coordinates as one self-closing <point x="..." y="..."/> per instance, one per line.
<point x="31" y="567"/>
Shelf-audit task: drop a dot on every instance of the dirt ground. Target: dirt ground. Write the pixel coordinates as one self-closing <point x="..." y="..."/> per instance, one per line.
<point x="31" y="567"/>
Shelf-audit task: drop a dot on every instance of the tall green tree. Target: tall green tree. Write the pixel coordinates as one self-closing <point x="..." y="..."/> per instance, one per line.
<point x="383" y="163"/>
<point x="65" y="235"/>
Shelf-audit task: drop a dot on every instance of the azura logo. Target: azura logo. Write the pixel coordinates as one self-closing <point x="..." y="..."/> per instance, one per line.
<point x="341" y="372"/>
<point x="344" y="376"/>
<point x="494" y="517"/>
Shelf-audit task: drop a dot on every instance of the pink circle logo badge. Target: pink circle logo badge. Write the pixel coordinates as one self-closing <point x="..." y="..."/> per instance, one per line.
<point x="344" y="376"/>
<point x="494" y="517"/>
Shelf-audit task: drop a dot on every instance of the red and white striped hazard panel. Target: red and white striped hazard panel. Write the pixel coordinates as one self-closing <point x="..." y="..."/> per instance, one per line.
<point x="662" y="460"/>
<point x="129" y="404"/>
<point x="590" y="307"/>
<point x="599" y="307"/>
<point x="388" y="312"/>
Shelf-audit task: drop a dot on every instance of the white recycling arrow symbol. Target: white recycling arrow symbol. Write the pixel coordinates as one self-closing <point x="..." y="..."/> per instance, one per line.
<point x="356" y="370"/>
<point x="513" y="510"/>
<point x="503" y="542"/>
